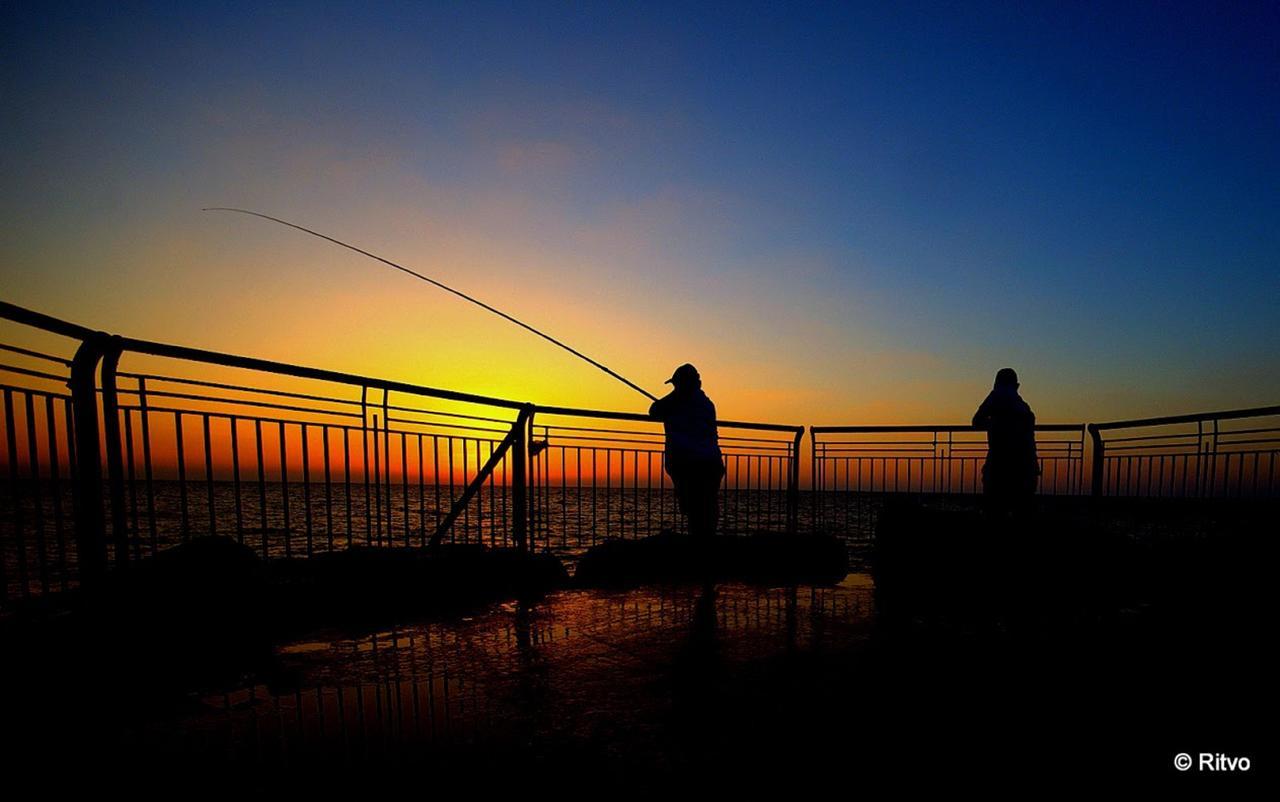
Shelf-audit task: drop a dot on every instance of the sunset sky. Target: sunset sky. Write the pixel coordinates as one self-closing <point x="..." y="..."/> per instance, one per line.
<point x="840" y="215"/>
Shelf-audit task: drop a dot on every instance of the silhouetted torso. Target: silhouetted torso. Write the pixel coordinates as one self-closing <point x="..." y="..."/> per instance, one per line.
<point x="1012" y="464"/>
<point x="689" y="420"/>
<point x="1011" y="430"/>
<point x="693" y="459"/>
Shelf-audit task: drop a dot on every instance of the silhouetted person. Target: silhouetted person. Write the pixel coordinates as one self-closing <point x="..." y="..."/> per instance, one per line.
<point x="693" y="457"/>
<point x="1012" y="470"/>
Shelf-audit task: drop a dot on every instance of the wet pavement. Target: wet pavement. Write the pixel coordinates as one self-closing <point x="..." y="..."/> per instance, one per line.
<point x="579" y="675"/>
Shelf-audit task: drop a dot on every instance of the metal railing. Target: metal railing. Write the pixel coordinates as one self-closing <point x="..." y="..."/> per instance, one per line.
<point x="1210" y="455"/>
<point x="116" y="448"/>
<point x="288" y="460"/>
<point x="156" y="444"/>
<point x="854" y="467"/>
<point x="602" y="474"/>
<point x="40" y="465"/>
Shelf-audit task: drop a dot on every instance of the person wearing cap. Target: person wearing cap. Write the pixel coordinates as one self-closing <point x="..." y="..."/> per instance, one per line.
<point x="1012" y="469"/>
<point x="693" y="458"/>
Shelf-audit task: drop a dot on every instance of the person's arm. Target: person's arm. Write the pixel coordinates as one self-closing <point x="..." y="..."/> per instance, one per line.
<point x="982" y="418"/>
<point x="658" y="409"/>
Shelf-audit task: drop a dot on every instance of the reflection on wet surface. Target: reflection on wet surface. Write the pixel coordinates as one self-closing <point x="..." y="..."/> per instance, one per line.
<point x="576" y="670"/>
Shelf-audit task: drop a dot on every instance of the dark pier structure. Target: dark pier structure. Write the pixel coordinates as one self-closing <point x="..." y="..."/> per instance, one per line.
<point x="280" y="577"/>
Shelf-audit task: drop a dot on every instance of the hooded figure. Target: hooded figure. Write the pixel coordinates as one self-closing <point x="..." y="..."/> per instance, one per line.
<point x="693" y="458"/>
<point x="1011" y="472"/>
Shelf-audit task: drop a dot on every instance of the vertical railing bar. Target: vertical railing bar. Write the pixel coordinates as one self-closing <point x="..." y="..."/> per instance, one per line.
<point x="306" y="487"/>
<point x="208" y="476"/>
<point x="544" y="488"/>
<point x="404" y="482"/>
<point x="386" y="455"/>
<point x="262" y="488"/>
<point x="37" y="496"/>
<point x="328" y="486"/>
<point x="182" y="476"/>
<point x="506" y="500"/>
<point x="111" y="441"/>
<point x="466" y="480"/>
<point x="68" y="417"/>
<point x="1240" y="476"/>
<point x="55" y="486"/>
<point x="91" y="546"/>
<point x="449" y="446"/>
<point x="364" y="430"/>
<point x="1271" y="472"/>
<point x="595" y="473"/>
<point x="577" y="462"/>
<point x="422" y="494"/>
<point x="648" y="492"/>
<point x="769" y="493"/>
<point x="1099" y="449"/>
<point x="853" y="492"/>
<point x="132" y="479"/>
<point x="284" y="494"/>
<point x="235" y="476"/>
<point x="435" y="472"/>
<point x="493" y="496"/>
<point x="479" y="495"/>
<point x="377" y="479"/>
<point x="148" y="473"/>
<point x="759" y="499"/>
<point x="815" y="486"/>
<point x="346" y="479"/>
<point x="16" y="497"/>
<point x="1214" y="481"/>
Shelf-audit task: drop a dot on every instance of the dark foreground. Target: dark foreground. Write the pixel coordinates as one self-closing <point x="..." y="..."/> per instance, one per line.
<point x="969" y="657"/>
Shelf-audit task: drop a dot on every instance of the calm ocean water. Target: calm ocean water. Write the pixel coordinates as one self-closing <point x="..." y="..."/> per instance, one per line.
<point x="296" y="521"/>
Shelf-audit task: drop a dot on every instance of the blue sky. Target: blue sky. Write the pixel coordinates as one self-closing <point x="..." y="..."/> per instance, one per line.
<point x="856" y="211"/>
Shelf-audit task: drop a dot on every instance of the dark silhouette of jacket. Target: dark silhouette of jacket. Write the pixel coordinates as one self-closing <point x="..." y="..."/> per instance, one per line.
<point x="1011" y="436"/>
<point x="689" y="422"/>
<point x="693" y="459"/>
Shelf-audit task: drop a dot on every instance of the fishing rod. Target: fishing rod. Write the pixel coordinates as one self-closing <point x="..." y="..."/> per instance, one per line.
<point x="444" y="287"/>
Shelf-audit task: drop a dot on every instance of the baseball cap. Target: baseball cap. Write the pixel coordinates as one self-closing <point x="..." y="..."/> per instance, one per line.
<point x="684" y="373"/>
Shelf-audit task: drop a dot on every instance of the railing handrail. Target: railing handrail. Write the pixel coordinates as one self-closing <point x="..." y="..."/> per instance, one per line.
<point x="301" y="372"/>
<point x="1040" y="427"/>
<point x="1231" y="414"/>
<point x="640" y="416"/>
<point x="38" y="320"/>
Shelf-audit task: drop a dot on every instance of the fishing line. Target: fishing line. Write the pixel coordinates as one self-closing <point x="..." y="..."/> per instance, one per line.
<point x="444" y="287"/>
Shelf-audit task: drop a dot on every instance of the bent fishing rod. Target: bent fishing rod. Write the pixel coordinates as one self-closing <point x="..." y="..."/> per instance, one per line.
<point x="444" y="287"/>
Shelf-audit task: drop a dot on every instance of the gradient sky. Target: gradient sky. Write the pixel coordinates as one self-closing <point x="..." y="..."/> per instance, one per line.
<point x="841" y="215"/>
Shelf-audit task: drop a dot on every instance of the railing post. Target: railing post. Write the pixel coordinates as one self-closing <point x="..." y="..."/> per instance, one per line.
<point x="793" y="485"/>
<point x="519" y="474"/>
<point x="91" y="534"/>
<point x="1099" y="451"/>
<point x="115" y="460"/>
<point x="814" y="483"/>
<point x="484" y="473"/>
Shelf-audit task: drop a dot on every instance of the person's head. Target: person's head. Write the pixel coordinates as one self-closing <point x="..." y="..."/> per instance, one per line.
<point x="685" y="378"/>
<point x="1006" y="378"/>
